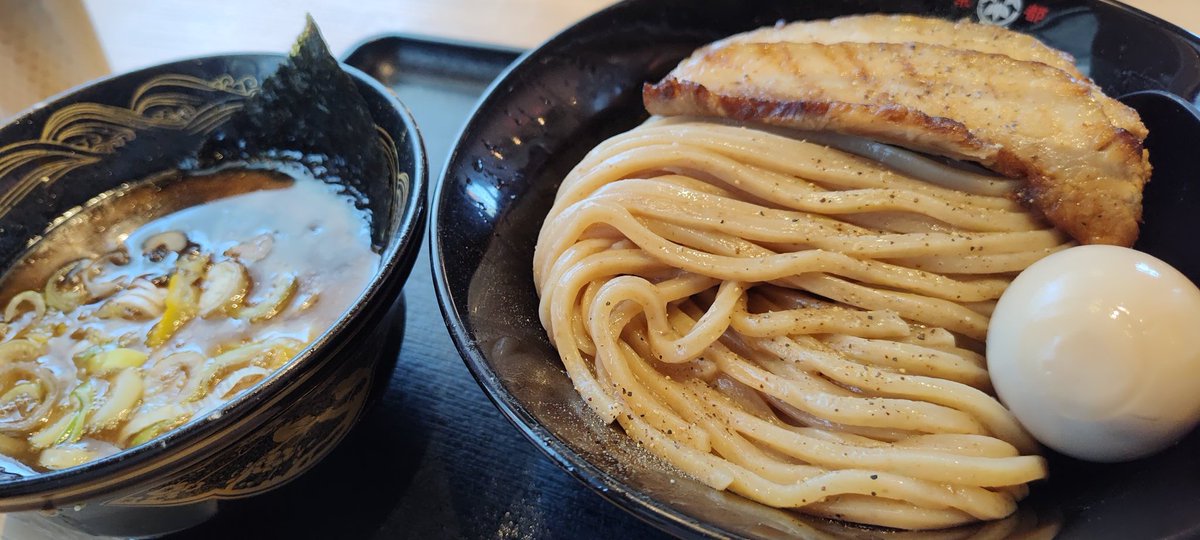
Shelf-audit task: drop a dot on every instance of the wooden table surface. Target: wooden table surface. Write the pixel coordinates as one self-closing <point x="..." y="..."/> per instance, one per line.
<point x="134" y="34"/>
<point x="53" y="34"/>
<point x="51" y="45"/>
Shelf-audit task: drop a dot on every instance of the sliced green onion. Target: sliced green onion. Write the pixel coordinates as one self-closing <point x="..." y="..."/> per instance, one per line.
<point x="283" y="287"/>
<point x="270" y="354"/>
<point x="148" y="423"/>
<point x="84" y="357"/>
<point x="115" y="359"/>
<point x="150" y="433"/>
<point x="122" y="397"/>
<point x="183" y="298"/>
<point x="225" y="287"/>
<point x="69" y="428"/>
<point x="64" y="458"/>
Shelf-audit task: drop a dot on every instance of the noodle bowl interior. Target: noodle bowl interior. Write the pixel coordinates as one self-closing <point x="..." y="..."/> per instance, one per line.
<point x="163" y="302"/>
<point x="782" y="284"/>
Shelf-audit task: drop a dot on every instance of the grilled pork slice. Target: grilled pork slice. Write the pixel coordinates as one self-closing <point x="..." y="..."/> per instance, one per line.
<point x="1021" y="119"/>
<point x="964" y="35"/>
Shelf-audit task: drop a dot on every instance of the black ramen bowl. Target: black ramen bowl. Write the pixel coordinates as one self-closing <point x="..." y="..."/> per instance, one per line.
<point x="133" y="126"/>
<point x="583" y="86"/>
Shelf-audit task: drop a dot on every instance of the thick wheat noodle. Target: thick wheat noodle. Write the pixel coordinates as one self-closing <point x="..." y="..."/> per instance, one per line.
<point x="780" y="265"/>
<point x="563" y="302"/>
<point x="980" y="502"/>
<point x="51" y="388"/>
<point x="571" y="281"/>
<point x="815" y="395"/>
<point x="945" y="392"/>
<point x="572" y="224"/>
<point x="900" y="515"/>
<point x="897" y="223"/>
<point x="833" y="430"/>
<point x="932" y="337"/>
<point x="791" y="322"/>
<point x="894" y="356"/>
<point x="976" y="264"/>
<point x="896" y="166"/>
<point x="926" y="462"/>
<point x="664" y="200"/>
<point x="786" y="191"/>
<point x="660" y="410"/>
<point x="878" y="324"/>
<point x="797" y="157"/>
<point x="926" y="310"/>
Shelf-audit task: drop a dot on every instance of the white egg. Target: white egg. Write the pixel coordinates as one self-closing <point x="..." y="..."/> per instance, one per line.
<point x="1096" y="350"/>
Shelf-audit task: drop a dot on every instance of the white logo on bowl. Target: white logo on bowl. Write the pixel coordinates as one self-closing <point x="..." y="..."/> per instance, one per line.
<point x="998" y="12"/>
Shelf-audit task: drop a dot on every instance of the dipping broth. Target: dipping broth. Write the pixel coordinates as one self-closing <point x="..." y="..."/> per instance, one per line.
<point x="158" y="303"/>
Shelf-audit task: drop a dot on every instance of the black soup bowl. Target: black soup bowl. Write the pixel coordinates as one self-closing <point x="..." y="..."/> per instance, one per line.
<point x="144" y="124"/>
<point x="584" y="85"/>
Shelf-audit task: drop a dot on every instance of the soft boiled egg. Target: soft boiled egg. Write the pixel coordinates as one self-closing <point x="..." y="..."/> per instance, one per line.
<point x="1096" y="350"/>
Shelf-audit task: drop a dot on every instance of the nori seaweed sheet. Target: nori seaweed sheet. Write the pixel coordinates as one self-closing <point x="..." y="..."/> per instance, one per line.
<point x="311" y="107"/>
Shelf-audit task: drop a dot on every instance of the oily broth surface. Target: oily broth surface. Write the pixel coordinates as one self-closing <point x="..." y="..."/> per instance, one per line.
<point x="315" y="234"/>
<point x="319" y="237"/>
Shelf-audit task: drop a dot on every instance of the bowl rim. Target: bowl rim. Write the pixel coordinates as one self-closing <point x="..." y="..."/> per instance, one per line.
<point x="650" y="510"/>
<point x="200" y="438"/>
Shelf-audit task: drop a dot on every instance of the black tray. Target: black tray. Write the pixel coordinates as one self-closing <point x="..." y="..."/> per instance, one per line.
<point x="433" y="458"/>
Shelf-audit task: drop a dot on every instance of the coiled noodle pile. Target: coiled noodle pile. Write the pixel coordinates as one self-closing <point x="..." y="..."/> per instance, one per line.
<point x="791" y="322"/>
